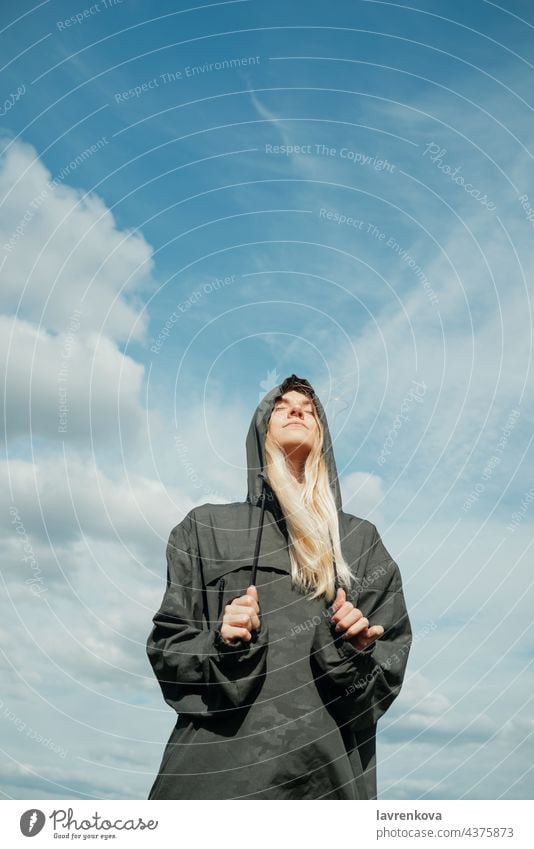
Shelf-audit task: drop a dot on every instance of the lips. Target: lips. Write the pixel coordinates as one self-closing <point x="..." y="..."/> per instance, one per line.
<point x="300" y="424"/>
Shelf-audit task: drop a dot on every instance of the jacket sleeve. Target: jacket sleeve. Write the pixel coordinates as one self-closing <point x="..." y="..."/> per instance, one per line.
<point x="198" y="673"/>
<point x="359" y="686"/>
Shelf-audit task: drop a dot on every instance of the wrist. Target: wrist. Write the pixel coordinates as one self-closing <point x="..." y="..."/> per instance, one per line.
<point x="353" y="649"/>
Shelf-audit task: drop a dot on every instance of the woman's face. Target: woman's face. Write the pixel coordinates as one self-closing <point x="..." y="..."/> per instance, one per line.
<point x="293" y="425"/>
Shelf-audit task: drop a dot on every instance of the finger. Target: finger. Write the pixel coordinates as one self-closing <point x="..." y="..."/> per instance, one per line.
<point x="228" y="632"/>
<point x="356" y="629"/>
<point x="243" y="614"/>
<point x="363" y="640"/>
<point x="348" y="620"/>
<point x="374" y="631"/>
<point x="339" y="599"/>
<point x="244" y="618"/>
<point x="344" y="611"/>
<point x="241" y="620"/>
<point x="253" y="592"/>
<point x="245" y="602"/>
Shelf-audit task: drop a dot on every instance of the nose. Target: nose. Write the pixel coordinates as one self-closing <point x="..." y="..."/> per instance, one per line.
<point x="295" y="408"/>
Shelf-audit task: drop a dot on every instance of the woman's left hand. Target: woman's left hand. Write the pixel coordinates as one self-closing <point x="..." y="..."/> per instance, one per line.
<point x="352" y="624"/>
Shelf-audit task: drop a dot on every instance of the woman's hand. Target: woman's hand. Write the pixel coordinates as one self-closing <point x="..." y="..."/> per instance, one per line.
<point x="241" y="617"/>
<point x="352" y="624"/>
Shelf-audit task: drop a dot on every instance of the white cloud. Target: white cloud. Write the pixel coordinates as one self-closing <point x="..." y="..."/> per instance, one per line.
<point x="108" y="531"/>
<point x="63" y="252"/>
<point x="27" y="780"/>
<point x="362" y="495"/>
<point x="209" y="448"/>
<point x="73" y="387"/>
<point x="67" y="498"/>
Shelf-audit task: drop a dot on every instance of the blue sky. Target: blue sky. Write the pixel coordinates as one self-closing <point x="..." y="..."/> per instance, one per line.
<point x="195" y="203"/>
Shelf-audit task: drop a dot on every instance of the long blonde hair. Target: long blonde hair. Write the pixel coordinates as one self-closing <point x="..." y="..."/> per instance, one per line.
<point x="311" y="517"/>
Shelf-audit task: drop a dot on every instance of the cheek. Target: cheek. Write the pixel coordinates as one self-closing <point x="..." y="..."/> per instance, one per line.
<point x="274" y="429"/>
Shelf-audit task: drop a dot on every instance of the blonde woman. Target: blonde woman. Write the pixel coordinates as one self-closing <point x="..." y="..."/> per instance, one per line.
<point x="283" y="634"/>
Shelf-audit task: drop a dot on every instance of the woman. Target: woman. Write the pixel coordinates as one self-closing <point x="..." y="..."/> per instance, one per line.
<point x="277" y="676"/>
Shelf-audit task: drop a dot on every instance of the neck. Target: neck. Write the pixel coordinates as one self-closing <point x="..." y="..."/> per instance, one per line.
<point x="296" y="467"/>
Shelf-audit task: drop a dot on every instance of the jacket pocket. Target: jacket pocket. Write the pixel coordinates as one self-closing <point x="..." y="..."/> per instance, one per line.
<point x="222" y="590"/>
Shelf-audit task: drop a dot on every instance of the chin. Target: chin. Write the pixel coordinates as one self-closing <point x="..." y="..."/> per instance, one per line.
<point x="295" y="443"/>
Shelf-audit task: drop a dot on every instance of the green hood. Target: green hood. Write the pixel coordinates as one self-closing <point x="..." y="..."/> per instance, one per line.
<point x="256" y="441"/>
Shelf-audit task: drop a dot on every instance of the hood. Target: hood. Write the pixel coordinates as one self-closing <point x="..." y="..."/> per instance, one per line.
<point x="256" y="441"/>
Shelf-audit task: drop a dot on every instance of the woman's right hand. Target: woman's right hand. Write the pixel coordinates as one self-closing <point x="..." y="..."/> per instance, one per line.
<point x="241" y="617"/>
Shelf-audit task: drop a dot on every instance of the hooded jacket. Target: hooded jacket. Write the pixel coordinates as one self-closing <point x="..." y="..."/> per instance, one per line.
<point x="292" y="714"/>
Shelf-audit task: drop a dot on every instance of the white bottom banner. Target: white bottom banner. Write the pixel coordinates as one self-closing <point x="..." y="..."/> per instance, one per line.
<point x="250" y="824"/>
